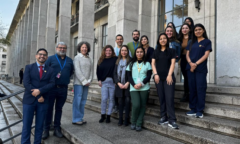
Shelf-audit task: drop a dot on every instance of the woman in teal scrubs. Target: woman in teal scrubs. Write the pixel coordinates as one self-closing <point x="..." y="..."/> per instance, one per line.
<point x="139" y="74"/>
<point x="197" y="53"/>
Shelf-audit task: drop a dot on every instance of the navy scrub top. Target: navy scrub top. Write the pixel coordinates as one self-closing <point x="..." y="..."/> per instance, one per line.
<point x="198" y="51"/>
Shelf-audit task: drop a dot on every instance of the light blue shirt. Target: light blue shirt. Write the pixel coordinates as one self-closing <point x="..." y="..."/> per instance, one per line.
<point x="39" y="66"/>
<point x="116" y="50"/>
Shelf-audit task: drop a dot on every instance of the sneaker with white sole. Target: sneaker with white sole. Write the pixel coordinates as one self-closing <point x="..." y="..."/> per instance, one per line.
<point x="199" y="115"/>
<point x="191" y="113"/>
<point x="163" y="120"/>
<point x="173" y="125"/>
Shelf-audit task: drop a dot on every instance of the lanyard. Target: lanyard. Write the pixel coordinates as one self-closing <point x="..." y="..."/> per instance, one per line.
<point x="60" y="62"/>
<point x="135" y="47"/>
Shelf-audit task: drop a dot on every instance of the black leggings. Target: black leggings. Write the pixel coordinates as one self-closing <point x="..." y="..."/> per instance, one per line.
<point x="184" y="72"/>
<point x="124" y="102"/>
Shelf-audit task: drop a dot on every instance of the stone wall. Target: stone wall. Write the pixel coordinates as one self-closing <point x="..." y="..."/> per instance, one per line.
<point x="227" y="56"/>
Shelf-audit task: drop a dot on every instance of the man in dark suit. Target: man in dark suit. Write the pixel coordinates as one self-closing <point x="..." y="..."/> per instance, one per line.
<point x="38" y="80"/>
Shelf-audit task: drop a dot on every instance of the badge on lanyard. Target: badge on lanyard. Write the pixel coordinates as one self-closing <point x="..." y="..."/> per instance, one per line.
<point x="135" y="46"/>
<point x="59" y="74"/>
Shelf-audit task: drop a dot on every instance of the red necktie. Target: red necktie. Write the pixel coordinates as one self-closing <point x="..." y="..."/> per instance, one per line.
<point x="41" y="71"/>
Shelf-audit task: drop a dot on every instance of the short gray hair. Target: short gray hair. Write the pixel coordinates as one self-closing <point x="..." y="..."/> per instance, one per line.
<point x="61" y="43"/>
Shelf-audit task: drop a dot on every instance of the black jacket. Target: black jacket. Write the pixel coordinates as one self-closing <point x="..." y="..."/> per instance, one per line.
<point x="118" y="91"/>
<point x="149" y="54"/>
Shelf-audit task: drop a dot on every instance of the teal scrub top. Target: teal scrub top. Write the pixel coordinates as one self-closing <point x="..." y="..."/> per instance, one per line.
<point x="141" y="75"/>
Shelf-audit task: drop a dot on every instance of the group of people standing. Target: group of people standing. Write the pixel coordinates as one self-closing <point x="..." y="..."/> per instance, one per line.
<point x="123" y="73"/>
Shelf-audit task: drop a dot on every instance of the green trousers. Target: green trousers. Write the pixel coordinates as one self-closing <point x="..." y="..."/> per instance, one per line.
<point x="139" y="100"/>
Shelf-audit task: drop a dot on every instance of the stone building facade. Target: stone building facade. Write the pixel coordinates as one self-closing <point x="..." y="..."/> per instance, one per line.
<point x="42" y="23"/>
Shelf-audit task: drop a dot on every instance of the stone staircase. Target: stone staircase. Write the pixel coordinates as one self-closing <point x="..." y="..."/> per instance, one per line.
<point x="220" y="125"/>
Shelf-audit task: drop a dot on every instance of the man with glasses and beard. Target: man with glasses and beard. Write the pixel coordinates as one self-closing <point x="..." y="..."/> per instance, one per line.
<point x="133" y="45"/>
<point x="38" y="79"/>
<point x="63" y="69"/>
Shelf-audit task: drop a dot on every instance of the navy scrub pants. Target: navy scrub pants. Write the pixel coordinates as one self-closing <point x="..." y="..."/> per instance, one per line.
<point x="197" y="86"/>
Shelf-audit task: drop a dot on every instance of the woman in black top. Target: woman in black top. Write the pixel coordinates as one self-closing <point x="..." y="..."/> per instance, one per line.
<point x="122" y="84"/>
<point x="163" y="62"/>
<point x="105" y="69"/>
<point x="144" y="43"/>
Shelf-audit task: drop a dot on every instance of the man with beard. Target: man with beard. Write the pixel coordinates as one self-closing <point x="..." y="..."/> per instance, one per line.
<point x="119" y="41"/>
<point x="38" y="80"/>
<point x="63" y="69"/>
<point x="133" y="45"/>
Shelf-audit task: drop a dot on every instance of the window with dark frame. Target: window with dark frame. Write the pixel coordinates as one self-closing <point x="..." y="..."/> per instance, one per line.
<point x="4" y="56"/>
<point x="104" y="35"/>
<point x="172" y="11"/>
<point x="3" y="63"/>
<point x="75" y="45"/>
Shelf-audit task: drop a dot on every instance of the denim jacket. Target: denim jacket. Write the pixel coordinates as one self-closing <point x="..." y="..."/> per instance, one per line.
<point x="177" y="47"/>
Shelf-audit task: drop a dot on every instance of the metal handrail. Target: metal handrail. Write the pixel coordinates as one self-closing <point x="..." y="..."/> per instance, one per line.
<point x="12" y="94"/>
<point x="13" y="124"/>
<point x="12" y="137"/>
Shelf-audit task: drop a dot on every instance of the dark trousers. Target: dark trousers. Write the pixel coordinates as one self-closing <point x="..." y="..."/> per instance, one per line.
<point x="28" y="115"/>
<point x="116" y="103"/>
<point x="59" y="96"/>
<point x="21" y="78"/>
<point x="197" y="86"/>
<point x="124" y="102"/>
<point x="166" y="99"/>
<point x="139" y="100"/>
<point x="184" y="72"/>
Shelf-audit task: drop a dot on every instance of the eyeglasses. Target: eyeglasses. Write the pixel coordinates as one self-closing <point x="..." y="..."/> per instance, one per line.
<point x="62" y="48"/>
<point x="42" y="54"/>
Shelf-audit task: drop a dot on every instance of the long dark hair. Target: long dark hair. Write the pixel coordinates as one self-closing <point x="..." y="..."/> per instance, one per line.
<point x="134" y="59"/>
<point x="144" y="36"/>
<point x="173" y="25"/>
<point x="192" y="22"/>
<point x="102" y="57"/>
<point x="167" y="44"/>
<point x="120" y="56"/>
<point x="180" y="38"/>
<point x="194" y="38"/>
<point x="174" y="36"/>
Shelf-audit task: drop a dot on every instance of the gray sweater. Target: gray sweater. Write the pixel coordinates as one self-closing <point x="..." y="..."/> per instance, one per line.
<point x="83" y="70"/>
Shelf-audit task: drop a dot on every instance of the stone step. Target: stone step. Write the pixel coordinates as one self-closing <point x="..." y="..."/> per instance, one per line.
<point x="214" y="98"/>
<point x="95" y="133"/>
<point x="210" y="122"/>
<point x="17" y="104"/>
<point x="186" y="133"/>
<point x="3" y="123"/>
<point x="224" y="110"/>
<point x="211" y="88"/>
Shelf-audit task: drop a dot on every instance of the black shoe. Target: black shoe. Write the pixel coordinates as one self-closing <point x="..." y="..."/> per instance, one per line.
<point x="185" y="98"/>
<point x="103" y="117"/>
<point x="108" y="119"/>
<point x="138" y="128"/>
<point x="45" y="134"/>
<point x="126" y="122"/>
<point x="2" y="95"/>
<point x="120" y="122"/>
<point x="173" y="125"/>
<point x="163" y="120"/>
<point x="133" y="126"/>
<point x="58" y="133"/>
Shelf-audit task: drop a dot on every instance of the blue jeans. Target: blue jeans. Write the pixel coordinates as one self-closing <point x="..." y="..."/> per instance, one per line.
<point x="28" y="115"/>
<point x="57" y="96"/>
<point x="79" y="101"/>
<point x="108" y="92"/>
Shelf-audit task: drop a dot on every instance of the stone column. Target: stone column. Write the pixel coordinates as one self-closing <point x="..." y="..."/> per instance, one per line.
<point x="24" y="54"/>
<point x="34" y="31"/>
<point x="86" y="24"/>
<point x="127" y="18"/>
<point x="144" y="18"/>
<point x="154" y="22"/>
<point x="29" y="32"/>
<point x="65" y="23"/>
<point x="21" y="44"/>
<point x="42" y="22"/>
<point x="51" y="26"/>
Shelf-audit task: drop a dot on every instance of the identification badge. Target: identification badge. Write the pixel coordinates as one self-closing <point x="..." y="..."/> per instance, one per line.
<point x="138" y="80"/>
<point x="58" y="75"/>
